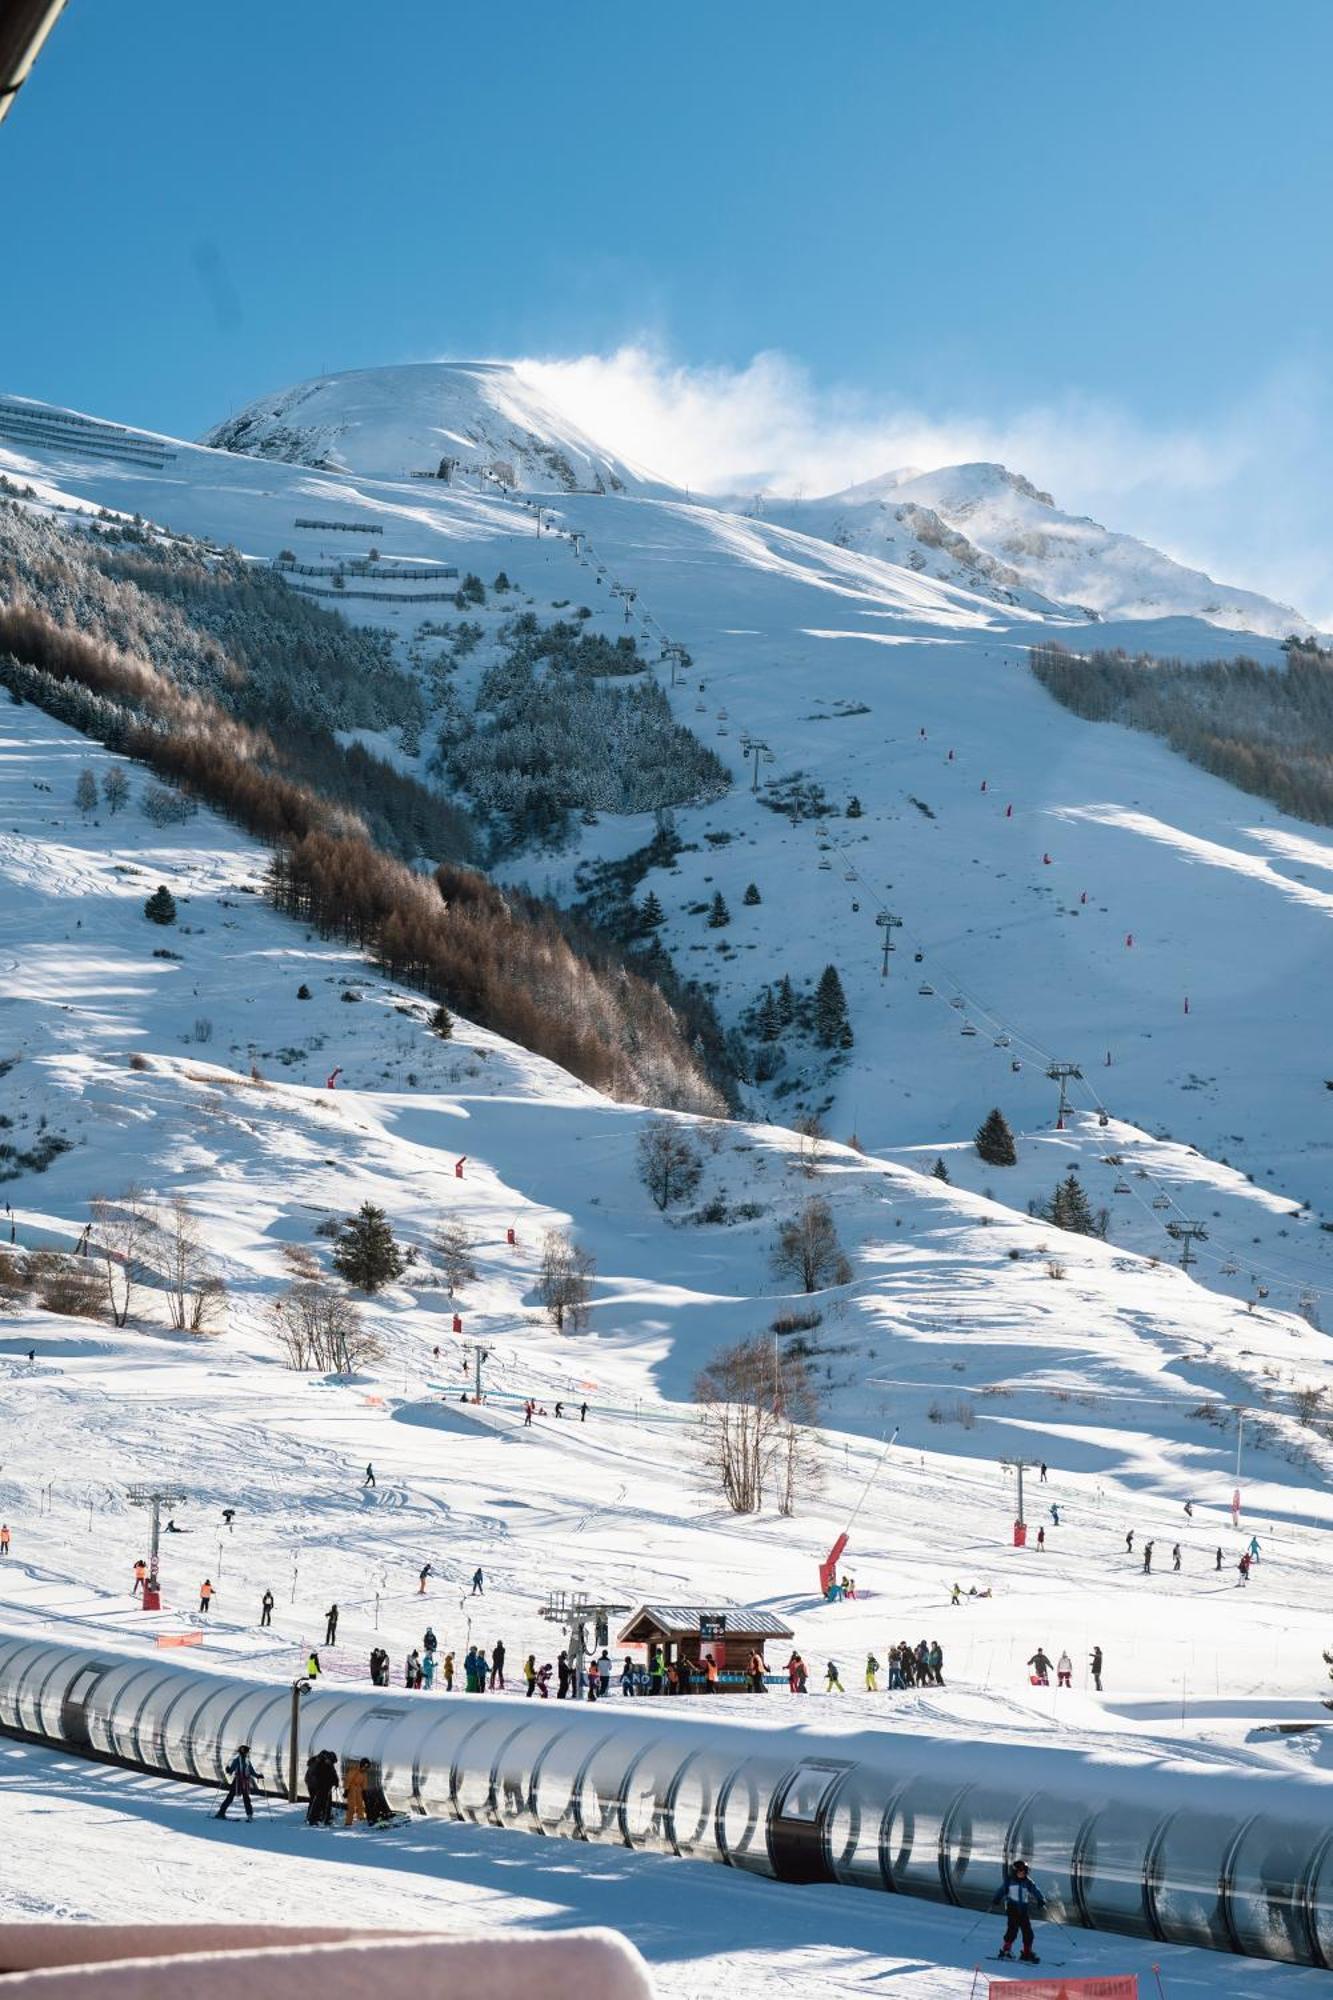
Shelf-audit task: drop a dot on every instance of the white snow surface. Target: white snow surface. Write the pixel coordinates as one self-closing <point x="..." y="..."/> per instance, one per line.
<point x="1121" y="1375"/>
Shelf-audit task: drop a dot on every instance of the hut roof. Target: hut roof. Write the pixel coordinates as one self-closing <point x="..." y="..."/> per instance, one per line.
<point x="683" y="1621"/>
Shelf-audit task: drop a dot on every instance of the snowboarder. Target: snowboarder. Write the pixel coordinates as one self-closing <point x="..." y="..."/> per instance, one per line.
<point x="205" y="1595"/>
<point x="1064" y="1671"/>
<point x="1041" y="1667"/>
<point x="478" y="1583"/>
<point x="1095" y="1660"/>
<point x="1147" y="1558"/>
<point x="266" y="1608"/>
<point x="331" y="1625"/>
<point x="1175" y="1556"/>
<point x="243" y="1780"/>
<point x="1019" y="1895"/>
<point x="369" y="1479"/>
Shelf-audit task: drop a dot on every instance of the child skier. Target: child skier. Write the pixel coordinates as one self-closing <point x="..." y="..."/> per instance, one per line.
<point x="1020" y="1896"/>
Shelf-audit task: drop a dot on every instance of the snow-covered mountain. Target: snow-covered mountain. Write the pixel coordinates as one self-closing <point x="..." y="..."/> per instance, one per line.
<point x="396" y="423"/>
<point x="992" y="530"/>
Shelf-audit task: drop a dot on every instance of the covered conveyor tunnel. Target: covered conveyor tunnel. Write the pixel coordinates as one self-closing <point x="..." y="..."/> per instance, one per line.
<point x="1185" y="1852"/>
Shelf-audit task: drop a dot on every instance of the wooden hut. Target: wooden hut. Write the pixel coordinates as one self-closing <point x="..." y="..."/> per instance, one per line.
<point x="689" y="1632"/>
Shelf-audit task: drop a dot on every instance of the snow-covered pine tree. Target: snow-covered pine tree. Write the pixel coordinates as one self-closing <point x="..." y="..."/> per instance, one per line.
<point x="651" y="913"/>
<point x="995" y="1141"/>
<point x="939" y="1170"/>
<point x="768" y="1020"/>
<point x="752" y="895"/>
<point x="786" y="1000"/>
<point x="160" y="907"/>
<point x="718" y="914"/>
<point x="85" y="791"/>
<point x="365" y="1253"/>
<point x="1070" y="1208"/>
<point x="833" y="1029"/>
<point x="854" y="807"/>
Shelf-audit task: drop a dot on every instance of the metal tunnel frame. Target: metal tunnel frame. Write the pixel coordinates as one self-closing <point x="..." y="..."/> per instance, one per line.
<point x="1234" y="1862"/>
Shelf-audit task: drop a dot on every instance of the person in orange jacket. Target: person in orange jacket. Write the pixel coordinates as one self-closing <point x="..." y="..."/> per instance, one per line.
<point x="710" y="1671"/>
<point x="205" y="1594"/>
<point x="4" y="1538"/>
<point x="354" y="1790"/>
<point x="140" y="1576"/>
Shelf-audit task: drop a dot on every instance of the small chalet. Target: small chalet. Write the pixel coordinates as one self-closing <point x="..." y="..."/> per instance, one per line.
<point x="730" y="1632"/>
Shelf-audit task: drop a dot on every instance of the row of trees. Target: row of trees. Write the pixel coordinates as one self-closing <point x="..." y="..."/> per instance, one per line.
<point x="1268" y="730"/>
<point x="136" y="1242"/>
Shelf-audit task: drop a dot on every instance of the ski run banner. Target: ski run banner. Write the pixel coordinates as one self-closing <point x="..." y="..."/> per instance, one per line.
<point x="1124" y="1986"/>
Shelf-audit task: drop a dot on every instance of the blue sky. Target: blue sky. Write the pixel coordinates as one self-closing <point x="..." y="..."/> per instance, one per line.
<point x="1099" y="232"/>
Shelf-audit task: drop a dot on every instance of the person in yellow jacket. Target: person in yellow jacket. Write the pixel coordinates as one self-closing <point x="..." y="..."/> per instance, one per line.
<point x="872" y="1668"/>
<point x="354" y="1790"/>
<point x="530" y="1673"/>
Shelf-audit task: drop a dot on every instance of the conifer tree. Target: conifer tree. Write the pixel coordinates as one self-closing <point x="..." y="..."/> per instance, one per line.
<point x="995" y="1141"/>
<point x="160" y="907"/>
<point x="1070" y="1208"/>
<point x="751" y="896"/>
<point x="854" y="807"/>
<point x="940" y="1171"/>
<point x="365" y="1253"/>
<point x="651" y="913"/>
<point x="718" y="914"/>
<point x="768" y="1021"/>
<point x="833" y="1029"/>
<point x="786" y="1001"/>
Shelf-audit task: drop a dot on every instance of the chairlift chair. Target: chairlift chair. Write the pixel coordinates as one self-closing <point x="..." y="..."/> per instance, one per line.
<point x="1002" y="1041"/>
<point x="1161" y="1201"/>
<point x="827" y="864"/>
<point x="967" y="1029"/>
<point x="925" y="990"/>
<point x="956" y="1001"/>
<point x="1230" y="1268"/>
<point x="1103" y="1118"/>
<point x="1122" y="1187"/>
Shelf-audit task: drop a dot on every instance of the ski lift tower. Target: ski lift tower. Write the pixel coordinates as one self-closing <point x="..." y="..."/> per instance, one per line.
<point x="888" y="923"/>
<point x="1063" y="1073"/>
<point x="575" y="1612"/>
<point x="1187" y="1234"/>
<point x="155" y="1498"/>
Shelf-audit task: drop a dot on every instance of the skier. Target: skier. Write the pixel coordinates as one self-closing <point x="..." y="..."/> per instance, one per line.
<point x="872" y="1668"/>
<point x="423" y="1576"/>
<point x="498" y="1666"/>
<point x="1244" y="1567"/>
<point x="429" y="1642"/>
<point x="369" y="1479"/>
<point x="1189" y="1510"/>
<point x="583" y="1413"/>
<point x="266" y="1608"/>
<point x="478" y="1583"/>
<point x="331" y="1625"/>
<point x="4" y="1538"/>
<point x="354" y="1791"/>
<point x="1129" y="1543"/>
<point x="1020" y="1895"/>
<point x="1041" y="1667"/>
<point x="956" y="1596"/>
<point x="1147" y="1558"/>
<point x="603" y="1670"/>
<point x="1064" y="1671"/>
<point x="1055" y="1514"/>
<point x="1218" y="1563"/>
<point x="428" y="1666"/>
<point x="563" y="1677"/>
<point x="140" y="1568"/>
<point x="243" y="1780"/>
<point x="1254" y="1548"/>
<point x="1175" y="1556"/>
<point x="527" y="1414"/>
<point x="321" y="1782"/>
<point x="755" y="1672"/>
<point x="205" y="1595"/>
<point x="1095" y="1660"/>
<point x="544" y="1679"/>
<point x="448" y="1671"/>
<point x="378" y="1810"/>
<point x="313" y="1669"/>
<point x="1043" y="1472"/>
<point x="935" y="1661"/>
<point x="530" y="1674"/>
<point x="1041" y="1540"/>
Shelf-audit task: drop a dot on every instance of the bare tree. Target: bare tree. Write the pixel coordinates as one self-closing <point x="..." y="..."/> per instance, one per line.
<point x="122" y="1235"/>
<point x="754" y="1405"/>
<point x="808" y="1249"/>
<point x="194" y="1291"/>
<point x="454" y="1245"/>
<point x="566" y="1281"/>
<point x="813" y="1136"/>
<point x="85" y="791"/>
<point x="669" y="1163"/>
<point x="319" y="1327"/>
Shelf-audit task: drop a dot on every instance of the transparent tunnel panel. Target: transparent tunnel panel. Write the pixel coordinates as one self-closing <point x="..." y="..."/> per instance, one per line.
<point x="1319" y="1900"/>
<point x="853" y="1831"/>
<point x="643" y="1814"/>
<point x="600" y="1794"/>
<point x="1267" y="1903"/>
<point x="111" y="1733"/>
<point x="556" y="1774"/>
<point x="913" y="1834"/>
<point x="1186" y="1879"/>
<point x="476" y="1760"/>
<point x="976" y="1841"/>
<point x="691" y="1797"/>
<point x="1111" y="1869"/>
<point x="743" y="1814"/>
<point x="1045" y="1832"/>
<point x="514" y="1799"/>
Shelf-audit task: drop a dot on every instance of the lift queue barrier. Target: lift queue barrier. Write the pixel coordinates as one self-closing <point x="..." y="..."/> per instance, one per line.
<point x="1184" y="1853"/>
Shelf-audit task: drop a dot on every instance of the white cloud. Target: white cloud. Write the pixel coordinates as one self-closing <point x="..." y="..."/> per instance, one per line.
<point x="1241" y="496"/>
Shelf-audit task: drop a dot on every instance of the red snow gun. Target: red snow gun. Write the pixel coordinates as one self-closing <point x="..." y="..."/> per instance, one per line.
<point x="828" y="1569"/>
<point x="331" y="1081"/>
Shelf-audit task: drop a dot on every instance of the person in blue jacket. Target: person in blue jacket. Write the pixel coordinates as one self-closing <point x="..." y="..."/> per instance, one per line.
<point x="1020" y="1897"/>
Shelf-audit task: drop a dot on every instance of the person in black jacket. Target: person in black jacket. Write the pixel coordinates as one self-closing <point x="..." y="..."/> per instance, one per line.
<point x="331" y="1625"/>
<point x="1020" y="1896"/>
<point x="321" y="1782"/>
<point x="243" y="1778"/>
<point x="1095" y="1660"/>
